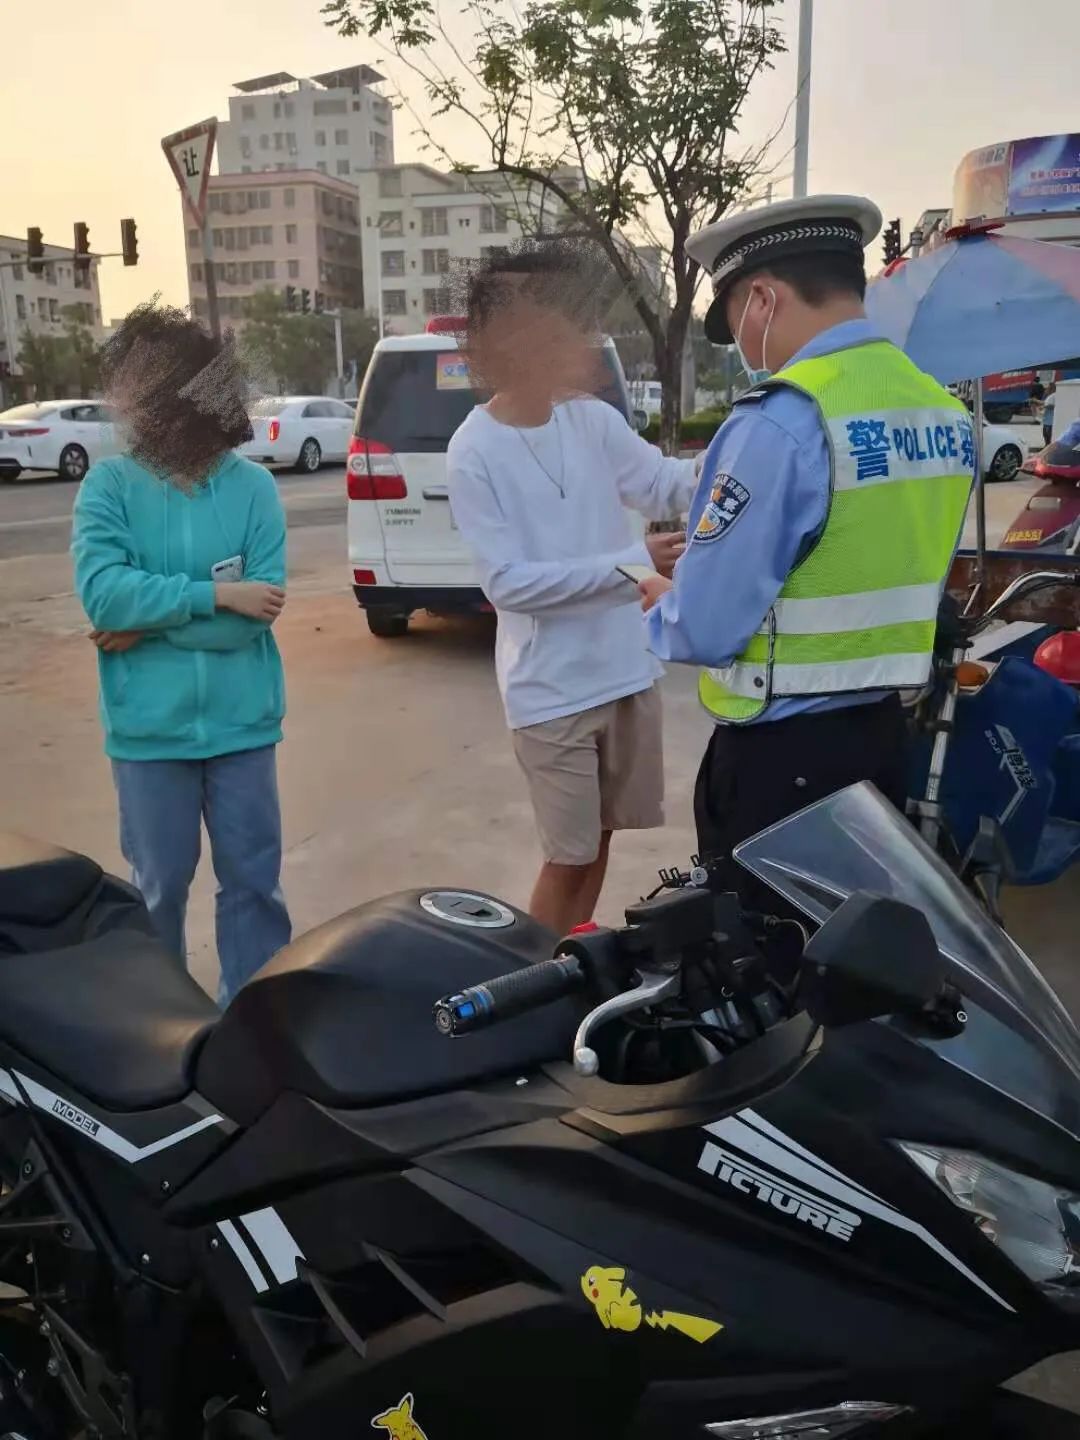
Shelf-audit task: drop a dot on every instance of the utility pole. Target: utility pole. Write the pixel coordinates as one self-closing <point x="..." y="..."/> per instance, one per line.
<point x="212" y="315"/>
<point x="802" y="98"/>
<point x="340" y="349"/>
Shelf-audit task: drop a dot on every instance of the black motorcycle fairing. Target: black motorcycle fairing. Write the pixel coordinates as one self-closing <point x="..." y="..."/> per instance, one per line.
<point x="565" y="1203"/>
<point x="744" y="1076"/>
<point x="343" y="1015"/>
<point x="118" y="1018"/>
<point x="159" y="1149"/>
<point x="299" y="1142"/>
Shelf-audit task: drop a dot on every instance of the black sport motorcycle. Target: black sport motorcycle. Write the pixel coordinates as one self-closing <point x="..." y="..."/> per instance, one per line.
<point x="706" y="1175"/>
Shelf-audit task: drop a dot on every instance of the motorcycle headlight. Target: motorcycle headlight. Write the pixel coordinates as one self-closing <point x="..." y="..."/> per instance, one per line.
<point x="1036" y="1225"/>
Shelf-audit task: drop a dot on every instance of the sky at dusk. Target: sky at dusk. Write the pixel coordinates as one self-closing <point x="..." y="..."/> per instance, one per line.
<point x="899" y="92"/>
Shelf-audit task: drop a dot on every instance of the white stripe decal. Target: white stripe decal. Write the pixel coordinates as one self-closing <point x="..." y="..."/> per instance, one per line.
<point x="279" y="1249"/>
<point x="758" y="1122"/>
<point x="239" y="1248"/>
<point x="713" y="1156"/>
<point x="94" y="1129"/>
<point x="751" y="1142"/>
<point x="861" y="611"/>
<point x="8" y="1089"/>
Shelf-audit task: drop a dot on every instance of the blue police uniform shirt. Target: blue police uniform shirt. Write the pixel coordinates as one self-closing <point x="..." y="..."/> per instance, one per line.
<point x="776" y="501"/>
<point x="1071" y="437"/>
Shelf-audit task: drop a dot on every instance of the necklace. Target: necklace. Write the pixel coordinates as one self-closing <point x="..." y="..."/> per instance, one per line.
<point x="560" y="483"/>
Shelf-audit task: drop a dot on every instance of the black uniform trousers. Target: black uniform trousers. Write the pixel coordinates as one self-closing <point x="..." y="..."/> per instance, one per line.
<point x="751" y="776"/>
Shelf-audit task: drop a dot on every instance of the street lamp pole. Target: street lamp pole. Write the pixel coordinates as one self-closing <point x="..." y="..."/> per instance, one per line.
<point x="802" y="97"/>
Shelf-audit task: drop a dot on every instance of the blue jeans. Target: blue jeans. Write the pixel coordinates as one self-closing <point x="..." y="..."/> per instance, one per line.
<point x="162" y="806"/>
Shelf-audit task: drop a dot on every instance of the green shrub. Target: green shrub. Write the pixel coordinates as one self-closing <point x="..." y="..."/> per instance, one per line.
<point x="695" y="429"/>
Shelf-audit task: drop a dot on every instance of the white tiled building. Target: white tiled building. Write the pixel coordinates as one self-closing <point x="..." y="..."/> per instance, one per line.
<point x="335" y="123"/>
<point x="38" y="302"/>
<point x="417" y="221"/>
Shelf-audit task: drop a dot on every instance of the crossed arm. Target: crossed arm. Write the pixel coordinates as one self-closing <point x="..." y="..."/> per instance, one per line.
<point x="126" y="603"/>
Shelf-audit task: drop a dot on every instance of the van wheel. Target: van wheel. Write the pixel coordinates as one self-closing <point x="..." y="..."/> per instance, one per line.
<point x="387" y="624"/>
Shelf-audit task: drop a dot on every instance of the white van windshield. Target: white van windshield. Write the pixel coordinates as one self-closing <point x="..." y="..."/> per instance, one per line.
<point x="413" y="400"/>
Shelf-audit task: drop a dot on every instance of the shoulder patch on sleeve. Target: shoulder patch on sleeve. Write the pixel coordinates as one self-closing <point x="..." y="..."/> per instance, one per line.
<point x="727" y="501"/>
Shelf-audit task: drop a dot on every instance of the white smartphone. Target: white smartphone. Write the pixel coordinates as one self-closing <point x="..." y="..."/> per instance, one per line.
<point x="229" y="570"/>
<point x="635" y="573"/>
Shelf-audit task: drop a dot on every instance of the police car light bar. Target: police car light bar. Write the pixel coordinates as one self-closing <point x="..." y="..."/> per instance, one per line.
<point x="445" y="325"/>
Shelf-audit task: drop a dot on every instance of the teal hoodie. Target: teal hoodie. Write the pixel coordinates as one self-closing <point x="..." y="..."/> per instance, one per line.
<point x="202" y="682"/>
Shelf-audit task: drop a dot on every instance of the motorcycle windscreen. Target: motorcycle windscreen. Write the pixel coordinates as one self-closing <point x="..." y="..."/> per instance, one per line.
<point x="1020" y="1038"/>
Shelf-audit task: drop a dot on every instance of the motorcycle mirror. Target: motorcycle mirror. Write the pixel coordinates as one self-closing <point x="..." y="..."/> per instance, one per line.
<point x="873" y="957"/>
<point x="640" y="420"/>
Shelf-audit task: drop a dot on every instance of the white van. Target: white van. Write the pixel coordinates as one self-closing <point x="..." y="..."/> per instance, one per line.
<point x="405" y="553"/>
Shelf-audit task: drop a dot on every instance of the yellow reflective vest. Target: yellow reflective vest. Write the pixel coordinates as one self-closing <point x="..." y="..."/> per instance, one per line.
<point x="859" y="611"/>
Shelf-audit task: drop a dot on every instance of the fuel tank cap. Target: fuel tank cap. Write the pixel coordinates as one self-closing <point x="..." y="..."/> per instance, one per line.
<point x="460" y="907"/>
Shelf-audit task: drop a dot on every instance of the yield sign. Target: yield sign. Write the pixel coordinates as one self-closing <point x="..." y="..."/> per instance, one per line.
<point x="189" y="153"/>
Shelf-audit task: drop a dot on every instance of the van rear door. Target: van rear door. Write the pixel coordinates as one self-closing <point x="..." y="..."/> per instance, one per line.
<point x="412" y="402"/>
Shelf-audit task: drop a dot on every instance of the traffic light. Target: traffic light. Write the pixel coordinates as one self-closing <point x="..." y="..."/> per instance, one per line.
<point x="893" y="246"/>
<point x="82" y="247"/>
<point x="35" y="250"/>
<point x="290" y="298"/>
<point x="320" y="301"/>
<point x="305" y="301"/>
<point x="129" y="242"/>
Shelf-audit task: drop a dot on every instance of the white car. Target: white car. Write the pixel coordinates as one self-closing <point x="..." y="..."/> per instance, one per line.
<point x="62" y="435"/>
<point x="405" y="553"/>
<point x="1004" y="450"/>
<point x="301" y="431"/>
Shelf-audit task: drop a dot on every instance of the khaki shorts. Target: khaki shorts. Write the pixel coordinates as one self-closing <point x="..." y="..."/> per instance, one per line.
<point x="601" y="769"/>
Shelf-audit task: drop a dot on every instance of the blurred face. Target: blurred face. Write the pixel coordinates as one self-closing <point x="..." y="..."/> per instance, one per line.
<point x="535" y="351"/>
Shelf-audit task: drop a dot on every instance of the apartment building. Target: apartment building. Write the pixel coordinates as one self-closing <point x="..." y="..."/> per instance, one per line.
<point x="38" y="302"/>
<point x="336" y="123"/>
<point x="273" y="230"/>
<point x="417" y="222"/>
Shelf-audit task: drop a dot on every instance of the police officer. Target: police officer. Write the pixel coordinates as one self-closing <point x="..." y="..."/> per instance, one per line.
<point x="823" y="528"/>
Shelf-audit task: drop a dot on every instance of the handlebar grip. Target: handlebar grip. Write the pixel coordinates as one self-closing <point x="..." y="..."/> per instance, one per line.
<point x="508" y="995"/>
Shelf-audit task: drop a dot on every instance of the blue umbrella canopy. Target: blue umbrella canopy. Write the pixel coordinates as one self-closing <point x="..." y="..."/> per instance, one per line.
<point x="981" y="304"/>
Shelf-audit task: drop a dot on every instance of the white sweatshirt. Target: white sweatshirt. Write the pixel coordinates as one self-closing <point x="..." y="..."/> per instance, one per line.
<point x="570" y="631"/>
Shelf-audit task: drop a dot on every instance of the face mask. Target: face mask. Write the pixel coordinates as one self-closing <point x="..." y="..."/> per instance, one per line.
<point x="756" y="376"/>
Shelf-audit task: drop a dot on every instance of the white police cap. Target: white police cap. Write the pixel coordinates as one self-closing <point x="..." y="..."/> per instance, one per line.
<point x="751" y="240"/>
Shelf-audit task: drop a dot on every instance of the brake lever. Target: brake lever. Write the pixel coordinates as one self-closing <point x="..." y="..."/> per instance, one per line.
<point x="651" y="987"/>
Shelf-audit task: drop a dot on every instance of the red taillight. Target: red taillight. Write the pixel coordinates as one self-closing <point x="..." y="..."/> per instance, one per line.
<point x="25" y="434"/>
<point x="373" y="472"/>
<point x="364" y="577"/>
<point x="446" y="325"/>
<point x="273" y="430"/>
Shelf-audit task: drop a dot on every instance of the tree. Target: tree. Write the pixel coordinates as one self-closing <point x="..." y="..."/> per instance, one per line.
<point x="624" y="111"/>
<point x="83" y="351"/>
<point x="59" y="365"/>
<point x="290" y="352"/>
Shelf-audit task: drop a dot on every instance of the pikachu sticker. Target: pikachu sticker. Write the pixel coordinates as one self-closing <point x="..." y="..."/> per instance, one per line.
<point x="619" y="1308"/>
<point x="398" y="1421"/>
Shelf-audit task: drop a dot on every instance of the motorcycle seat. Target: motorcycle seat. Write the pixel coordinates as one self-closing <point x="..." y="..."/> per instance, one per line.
<point x="41" y="884"/>
<point x="118" y="1018"/>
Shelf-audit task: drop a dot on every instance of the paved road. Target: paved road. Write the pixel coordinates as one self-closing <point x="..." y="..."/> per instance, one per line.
<point x="35" y="515"/>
